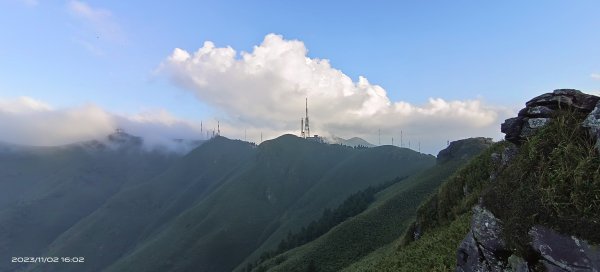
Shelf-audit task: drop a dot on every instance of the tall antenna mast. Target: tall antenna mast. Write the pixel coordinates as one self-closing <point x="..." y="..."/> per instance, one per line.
<point x="302" y="128"/>
<point x="306" y="123"/>
<point x="218" y="129"/>
<point x="392" y="140"/>
<point x="261" y="137"/>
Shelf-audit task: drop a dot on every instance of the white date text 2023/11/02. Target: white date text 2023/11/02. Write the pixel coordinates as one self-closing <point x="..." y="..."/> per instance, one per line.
<point x="48" y="259"/>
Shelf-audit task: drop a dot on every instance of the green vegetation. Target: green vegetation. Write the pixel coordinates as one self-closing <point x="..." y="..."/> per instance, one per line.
<point x="381" y="224"/>
<point x="435" y="251"/>
<point x="286" y="184"/>
<point x="221" y="205"/>
<point x="47" y="190"/>
<point x="138" y="212"/>
<point x="458" y="195"/>
<point x="353" y="205"/>
<point x="553" y="181"/>
<point x="442" y="221"/>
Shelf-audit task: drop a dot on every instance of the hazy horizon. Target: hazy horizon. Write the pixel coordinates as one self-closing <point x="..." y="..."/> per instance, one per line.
<point x="433" y="73"/>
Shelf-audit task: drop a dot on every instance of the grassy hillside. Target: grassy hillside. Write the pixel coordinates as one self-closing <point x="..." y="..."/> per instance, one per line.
<point x="46" y="190"/>
<point x="135" y="213"/>
<point x="553" y="180"/>
<point x="368" y="167"/>
<point x="442" y="217"/>
<point x="222" y="230"/>
<point x="381" y="224"/>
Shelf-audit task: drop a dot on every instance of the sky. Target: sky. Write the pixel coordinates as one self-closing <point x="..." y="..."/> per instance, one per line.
<point x="432" y="71"/>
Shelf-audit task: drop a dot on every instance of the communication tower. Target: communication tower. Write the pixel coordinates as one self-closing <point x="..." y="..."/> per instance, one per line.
<point x="306" y="124"/>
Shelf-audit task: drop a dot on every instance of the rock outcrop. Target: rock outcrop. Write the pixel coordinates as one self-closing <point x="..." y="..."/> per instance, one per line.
<point x="540" y="110"/>
<point x="483" y="248"/>
<point x="462" y="149"/>
<point x="563" y="253"/>
<point x="592" y="123"/>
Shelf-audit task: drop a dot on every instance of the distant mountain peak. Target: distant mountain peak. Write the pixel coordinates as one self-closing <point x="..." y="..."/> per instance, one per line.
<point x="463" y="148"/>
<point x="122" y="137"/>
<point x="353" y="142"/>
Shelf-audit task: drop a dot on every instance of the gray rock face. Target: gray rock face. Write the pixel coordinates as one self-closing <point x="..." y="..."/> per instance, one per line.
<point x="566" y="253"/>
<point x="508" y="154"/>
<point x="592" y="123"/>
<point x="540" y="110"/>
<point x="483" y="248"/>
<point x="469" y="256"/>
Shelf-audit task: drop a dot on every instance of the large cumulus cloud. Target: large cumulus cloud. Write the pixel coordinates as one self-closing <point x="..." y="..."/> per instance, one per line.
<point x="266" y="88"/>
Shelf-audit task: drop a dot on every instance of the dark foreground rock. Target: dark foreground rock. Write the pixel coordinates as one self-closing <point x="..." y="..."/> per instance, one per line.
<point x="540" y="110"/>
<point x="565" y="252"/>
<point x="483" y="249"/>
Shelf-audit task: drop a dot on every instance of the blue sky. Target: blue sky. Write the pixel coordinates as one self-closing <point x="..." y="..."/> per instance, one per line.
<point x="107" y="52"/>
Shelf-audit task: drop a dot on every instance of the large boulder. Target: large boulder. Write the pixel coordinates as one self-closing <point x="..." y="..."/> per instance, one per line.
<point x="540" y="110"/>
<point x="483" y="249"/>
<point x="565" y="252"/>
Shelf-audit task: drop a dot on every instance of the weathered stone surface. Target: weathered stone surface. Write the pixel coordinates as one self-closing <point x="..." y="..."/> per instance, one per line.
<point x="565" y="98"/>
<point x="532" y="125"/>
<point x="512" y="128"/>
<point x="517" y="264"/>
<point x="468" y="256"/>
<point x="486" y="229"/>
<point x="568" y="253"/>
<point x="582" y="101"/>
<point x="592" y="123"/>
<point x="552" y="101"/>
<point x="536" y="112"/>
<point x="483" y="249"/>
<point x="540" y="110"/>
<point x="508" y="154"/>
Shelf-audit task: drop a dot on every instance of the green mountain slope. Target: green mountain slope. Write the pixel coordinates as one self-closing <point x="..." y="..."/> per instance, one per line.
<point x="46" y="190"/>
<point x="287" y="177"/>
<point x="549" y="180"/>
<point x="442" y="219"/>
<point x="379" y="225"/>
<point x="136" y="213"/>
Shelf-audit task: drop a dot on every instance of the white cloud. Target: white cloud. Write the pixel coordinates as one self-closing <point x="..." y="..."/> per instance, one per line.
<point x="595" y="76"/>
<point x="97" y="24"/>
<point x="28" y="121"/>
<point x="266" y="88"/>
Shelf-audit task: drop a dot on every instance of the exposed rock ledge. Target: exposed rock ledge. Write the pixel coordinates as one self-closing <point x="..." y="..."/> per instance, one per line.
<point x="483" y="249"/>
<point x="540" y="110"/>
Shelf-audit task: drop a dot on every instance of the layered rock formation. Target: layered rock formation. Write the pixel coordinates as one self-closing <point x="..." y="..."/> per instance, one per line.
<point x="483" y="249"/>
<point x="540" y="110"/>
